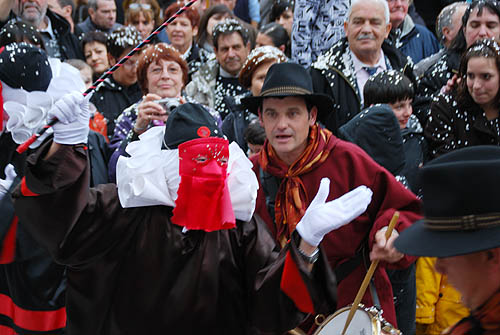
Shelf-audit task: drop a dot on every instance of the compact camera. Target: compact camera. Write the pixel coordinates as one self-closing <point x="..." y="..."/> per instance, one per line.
<point x="168" y="104"/>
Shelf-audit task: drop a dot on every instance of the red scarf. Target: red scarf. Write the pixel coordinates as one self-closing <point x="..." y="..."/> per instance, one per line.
<point x="484" y="320"/>
<point x="292" y="200"/>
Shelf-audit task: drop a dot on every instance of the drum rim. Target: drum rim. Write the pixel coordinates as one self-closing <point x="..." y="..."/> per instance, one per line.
<point x="376" y="325"/>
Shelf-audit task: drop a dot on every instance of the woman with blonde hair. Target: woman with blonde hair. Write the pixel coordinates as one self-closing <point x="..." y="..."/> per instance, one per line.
<point x="141" y="17"/>
<point x="145" y="4"/>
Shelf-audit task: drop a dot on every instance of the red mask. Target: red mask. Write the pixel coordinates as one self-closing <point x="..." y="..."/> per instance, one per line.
<point x="203" y="201"/>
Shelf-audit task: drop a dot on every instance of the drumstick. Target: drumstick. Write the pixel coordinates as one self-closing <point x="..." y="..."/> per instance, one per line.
<point x="368" y="276"/>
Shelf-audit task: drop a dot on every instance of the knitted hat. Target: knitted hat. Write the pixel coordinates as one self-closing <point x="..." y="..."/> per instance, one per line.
<point x="188" y="122"/>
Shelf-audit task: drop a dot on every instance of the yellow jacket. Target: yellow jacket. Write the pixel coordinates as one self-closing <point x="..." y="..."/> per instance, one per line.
<point x="438" y="303"/>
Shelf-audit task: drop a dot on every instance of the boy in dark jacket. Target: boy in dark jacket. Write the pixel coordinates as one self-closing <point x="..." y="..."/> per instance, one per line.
<point x="396" y="90"/>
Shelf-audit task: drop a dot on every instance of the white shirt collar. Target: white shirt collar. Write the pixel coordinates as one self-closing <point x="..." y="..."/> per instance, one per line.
<point x="359" y="65"/>
<point x="48" y="29"/>
<point x="185" y="56"/>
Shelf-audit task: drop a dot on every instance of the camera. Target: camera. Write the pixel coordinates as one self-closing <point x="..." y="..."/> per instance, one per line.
<point x="168" y="104"/>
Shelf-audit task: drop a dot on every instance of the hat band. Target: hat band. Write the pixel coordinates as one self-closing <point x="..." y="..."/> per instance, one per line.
<point x="285" y="90"/>
<point x="466" y="222"/>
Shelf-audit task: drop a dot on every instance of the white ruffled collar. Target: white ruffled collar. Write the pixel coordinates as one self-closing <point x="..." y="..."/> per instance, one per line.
<point x="28" y="111"/>
<point x="157" y="182"/>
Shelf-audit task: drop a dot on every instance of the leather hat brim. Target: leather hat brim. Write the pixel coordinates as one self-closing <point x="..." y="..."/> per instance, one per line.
<point x="418" y="240"/>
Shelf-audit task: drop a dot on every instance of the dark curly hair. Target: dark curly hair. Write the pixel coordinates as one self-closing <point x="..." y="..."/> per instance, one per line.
<point x="227" y="27"/>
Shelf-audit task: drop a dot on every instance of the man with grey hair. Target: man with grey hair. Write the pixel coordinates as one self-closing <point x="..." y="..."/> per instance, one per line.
<point x="56" y="32"/>
<point x="448" y="25"/>
<point x="343" y="71"/>
<point x="102" y="17"/>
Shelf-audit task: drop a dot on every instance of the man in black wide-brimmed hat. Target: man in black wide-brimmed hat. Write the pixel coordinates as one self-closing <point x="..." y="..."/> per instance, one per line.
<point x="461" y="192"/>
<point x="297" y="155"/>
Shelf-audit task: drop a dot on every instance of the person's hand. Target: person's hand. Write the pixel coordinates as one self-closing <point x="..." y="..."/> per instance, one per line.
<point x="383" y="250"/>
<point x="149" y="111"/>
<point x="72" y="112"/>
<point x="450" y="84"/>
<point x="5" y="184"/>
<point x="322" y="217"/>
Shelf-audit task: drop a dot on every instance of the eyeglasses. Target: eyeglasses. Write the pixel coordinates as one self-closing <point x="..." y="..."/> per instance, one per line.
<point x="135" y="6"/>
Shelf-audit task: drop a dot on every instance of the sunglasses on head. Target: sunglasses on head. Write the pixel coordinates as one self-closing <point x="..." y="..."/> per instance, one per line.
<point x="139" y="6"/>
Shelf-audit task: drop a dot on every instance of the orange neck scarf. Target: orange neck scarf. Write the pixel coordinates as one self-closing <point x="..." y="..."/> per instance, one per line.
<point x="291" y="199"/>
<point x="484" y="320"/>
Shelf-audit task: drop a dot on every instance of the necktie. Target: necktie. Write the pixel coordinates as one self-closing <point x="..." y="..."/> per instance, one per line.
<point x="371" y="70"/>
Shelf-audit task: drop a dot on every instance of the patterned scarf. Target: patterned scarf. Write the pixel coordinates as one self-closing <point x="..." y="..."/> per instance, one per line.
<point x="484" y="320"/>
<point x="292" y="201"/>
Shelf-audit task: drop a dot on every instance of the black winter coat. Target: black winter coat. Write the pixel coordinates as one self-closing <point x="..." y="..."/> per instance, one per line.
<point x="376" y="131"/>
<point x="431" y="82"/>
<point x="332" y="76"/>
<point x="69" y="44"/>
<point x="452" y="127"/>
<point x="416" y="153"/>
<point x="235" y="124"/>
<point x="111" y="98"/>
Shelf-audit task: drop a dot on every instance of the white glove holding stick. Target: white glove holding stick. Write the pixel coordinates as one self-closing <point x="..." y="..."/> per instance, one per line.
<point x="72" y="112"/>
<point x="322" y="217"/>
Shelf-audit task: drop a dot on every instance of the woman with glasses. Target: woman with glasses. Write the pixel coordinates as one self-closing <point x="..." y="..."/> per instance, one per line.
<point x="161" y="74"/>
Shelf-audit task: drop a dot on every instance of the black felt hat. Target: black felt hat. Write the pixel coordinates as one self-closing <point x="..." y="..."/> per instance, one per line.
<point x="287" y="80"/>
<point x="461" y="194"/>
<point x="23" y="65"/>
<point x="188" y="122"/>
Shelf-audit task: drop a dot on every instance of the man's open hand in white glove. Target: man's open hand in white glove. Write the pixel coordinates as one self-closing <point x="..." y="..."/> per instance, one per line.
<point x="72" y="112"/>
<point x="322" y="217"/>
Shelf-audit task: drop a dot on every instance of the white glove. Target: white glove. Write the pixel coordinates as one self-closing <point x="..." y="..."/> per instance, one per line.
<point x="73" y="113"/>
<point x="321" y="218"/>
<point x="10" y="175"/>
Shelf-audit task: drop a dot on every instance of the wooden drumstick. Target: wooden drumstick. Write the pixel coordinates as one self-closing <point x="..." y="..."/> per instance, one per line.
<point x="368" y="276"/>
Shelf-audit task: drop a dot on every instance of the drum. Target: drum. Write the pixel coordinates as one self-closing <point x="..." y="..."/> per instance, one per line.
<point x="366" y="321"/>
